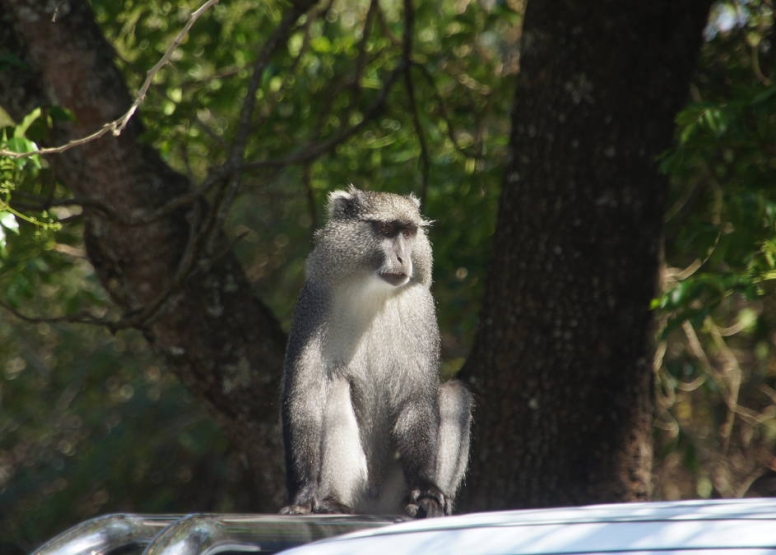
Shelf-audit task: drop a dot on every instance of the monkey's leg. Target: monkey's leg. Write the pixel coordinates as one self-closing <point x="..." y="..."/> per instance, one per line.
<point x="416" y="433"/>
<point x="344" y="466"/>
<point x="455" y="415"/>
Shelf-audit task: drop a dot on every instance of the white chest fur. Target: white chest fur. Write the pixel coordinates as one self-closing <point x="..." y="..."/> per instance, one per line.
<point x="368" y="330"/>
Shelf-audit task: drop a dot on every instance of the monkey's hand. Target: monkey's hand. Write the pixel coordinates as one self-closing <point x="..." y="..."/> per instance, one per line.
<point x="428" y="501"/>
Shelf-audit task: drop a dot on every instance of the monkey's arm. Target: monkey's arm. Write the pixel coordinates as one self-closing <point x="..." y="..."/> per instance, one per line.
<point x="302" y="417"/>
<point x="303" y="400"/>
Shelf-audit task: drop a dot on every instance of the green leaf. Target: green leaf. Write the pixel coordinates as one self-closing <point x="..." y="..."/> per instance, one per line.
<point x="8" y="221"/>
<point x="58" y="113"/>
<point x="23" y="146"/>
<point x="29" y="119"/>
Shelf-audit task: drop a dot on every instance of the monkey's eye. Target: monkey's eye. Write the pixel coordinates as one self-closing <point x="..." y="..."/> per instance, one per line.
<point x="409" y="231"/>
<point x="386" y="229"/>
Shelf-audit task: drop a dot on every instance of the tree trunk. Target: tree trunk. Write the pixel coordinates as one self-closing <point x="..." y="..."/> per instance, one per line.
<point x="562" y="360"/>
<point x="223" y="344"/>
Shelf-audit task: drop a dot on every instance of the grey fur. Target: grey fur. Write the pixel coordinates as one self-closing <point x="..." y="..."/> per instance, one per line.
<point x="367" y="427"/>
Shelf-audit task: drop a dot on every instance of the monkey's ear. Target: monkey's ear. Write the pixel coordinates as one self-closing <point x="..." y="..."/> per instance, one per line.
<point x="343" y="203"/>
<point x="423" y="222"/>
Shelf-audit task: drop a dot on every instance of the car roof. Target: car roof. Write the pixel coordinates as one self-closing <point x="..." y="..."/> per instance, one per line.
<point x="740" y="526"/>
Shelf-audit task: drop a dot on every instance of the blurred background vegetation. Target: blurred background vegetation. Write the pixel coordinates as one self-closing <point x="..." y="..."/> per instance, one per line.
<point x="90" y="423"/>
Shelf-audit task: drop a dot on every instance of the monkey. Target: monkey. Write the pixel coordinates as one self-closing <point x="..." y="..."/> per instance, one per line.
<point x="368" y="427"/>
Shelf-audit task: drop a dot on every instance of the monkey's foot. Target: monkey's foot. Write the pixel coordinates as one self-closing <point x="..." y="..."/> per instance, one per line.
<point x="296" y="510"/>
<point x="331" y="506"/>
<point x="428" y="502"/>
<point x="326" y="506"/>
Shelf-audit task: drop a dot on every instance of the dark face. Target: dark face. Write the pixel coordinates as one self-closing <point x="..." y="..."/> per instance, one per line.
<point x="396" y="240"/>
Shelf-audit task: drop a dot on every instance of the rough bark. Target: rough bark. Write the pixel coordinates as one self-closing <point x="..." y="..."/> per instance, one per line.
<point x="562" y="359"/>
<point x="223" y="344"/>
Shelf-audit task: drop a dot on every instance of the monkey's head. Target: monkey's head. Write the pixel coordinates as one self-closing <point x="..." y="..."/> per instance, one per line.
<point x="380" y="237"/>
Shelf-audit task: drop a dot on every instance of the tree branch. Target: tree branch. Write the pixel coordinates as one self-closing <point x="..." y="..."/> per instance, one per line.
<point x="311" y="152"/>
<point x="409" y="25"/>
<point x="79" y="318"/>
<point x="118" y="125"/>
<point x="279" y="37"/>
<point x="443" y="112"/>
<point x="199" y="312"/>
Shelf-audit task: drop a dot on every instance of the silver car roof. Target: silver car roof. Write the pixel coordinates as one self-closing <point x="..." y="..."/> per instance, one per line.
<point x="742" y="526"/>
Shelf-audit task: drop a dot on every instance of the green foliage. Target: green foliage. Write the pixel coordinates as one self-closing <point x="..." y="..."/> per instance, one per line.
<point x="102" y="448"/>
<point x="81" y="410"/>
<point x="330" y="75"/>
<point x="25" y="235"/>
<point x="717" y="374"/>
<point x="81" y="433"/>
<point x="722" y="159"/>
<point x="19" y="173"/>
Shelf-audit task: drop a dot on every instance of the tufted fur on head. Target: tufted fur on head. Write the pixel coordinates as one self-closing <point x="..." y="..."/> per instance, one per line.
<point x="366" y="205"/>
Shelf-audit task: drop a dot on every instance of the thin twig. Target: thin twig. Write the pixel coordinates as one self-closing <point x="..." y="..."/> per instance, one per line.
<point x="732" y="376"/>
<point x="118" y="125"/>
<point x="150" y="311"/>
<point x="444" y="113"/>
<point x="311" y="152"/>
<point x="307" y="177"/>
<point x="270" y="47"/>
<point x="361" y="57"/>
<point x="138" y="218"/>
<point x="80" y="318"/>
<point x="224" y="199"/>
<point x="425" y="165"/>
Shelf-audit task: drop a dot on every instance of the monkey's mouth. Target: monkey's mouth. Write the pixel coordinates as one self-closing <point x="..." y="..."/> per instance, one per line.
<point x="395" y="279"/>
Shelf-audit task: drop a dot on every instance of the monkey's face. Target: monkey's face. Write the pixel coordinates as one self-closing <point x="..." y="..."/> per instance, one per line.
<point x="396" y="240"/>
<point x="376" y="240"/>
